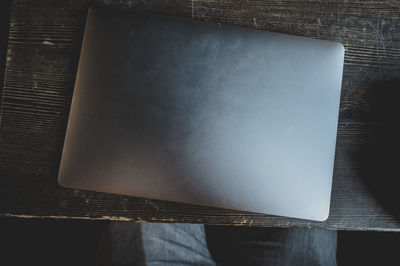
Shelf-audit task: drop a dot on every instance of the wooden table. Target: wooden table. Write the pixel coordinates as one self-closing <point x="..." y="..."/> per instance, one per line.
<point x="43" y="50"/>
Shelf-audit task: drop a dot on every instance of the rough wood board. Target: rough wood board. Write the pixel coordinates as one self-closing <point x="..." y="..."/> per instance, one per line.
<point x="43" y="49"/>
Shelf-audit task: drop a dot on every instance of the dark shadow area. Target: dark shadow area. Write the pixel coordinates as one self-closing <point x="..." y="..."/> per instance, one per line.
<point x="368" y="248"/>
<point x="378" y="158"/>
<point x="49" y="241"/>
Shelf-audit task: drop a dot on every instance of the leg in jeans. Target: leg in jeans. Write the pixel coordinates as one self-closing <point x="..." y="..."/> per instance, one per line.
<point x="154" y="244"/>
<point x="272" y="246"/>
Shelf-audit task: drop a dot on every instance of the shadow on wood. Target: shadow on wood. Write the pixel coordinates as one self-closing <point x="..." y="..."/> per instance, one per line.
<point x="378" y="158"/>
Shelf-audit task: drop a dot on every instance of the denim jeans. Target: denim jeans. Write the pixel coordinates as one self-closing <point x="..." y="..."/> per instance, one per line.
<point x="194" y="244"/>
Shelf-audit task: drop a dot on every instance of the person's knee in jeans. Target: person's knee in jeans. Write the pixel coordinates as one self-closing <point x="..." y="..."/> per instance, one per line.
<point x="194" y="244"/>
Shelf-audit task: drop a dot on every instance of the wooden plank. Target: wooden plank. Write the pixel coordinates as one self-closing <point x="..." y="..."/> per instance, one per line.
<point x="5" y="7"/>
<point x="43" y="49"/>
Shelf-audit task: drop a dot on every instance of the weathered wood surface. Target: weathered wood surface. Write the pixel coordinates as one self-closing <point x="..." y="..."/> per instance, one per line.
<point x="43" y="49"/>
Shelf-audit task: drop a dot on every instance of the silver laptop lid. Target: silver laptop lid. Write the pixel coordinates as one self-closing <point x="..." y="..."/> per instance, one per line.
<point x="180" y="110"/>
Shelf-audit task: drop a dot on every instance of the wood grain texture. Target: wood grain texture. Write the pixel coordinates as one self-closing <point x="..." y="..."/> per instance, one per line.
<point x="43" y="49"/>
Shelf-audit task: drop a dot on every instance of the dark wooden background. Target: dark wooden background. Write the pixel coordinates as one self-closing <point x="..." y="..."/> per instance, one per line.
<point x="43" y="50"/>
